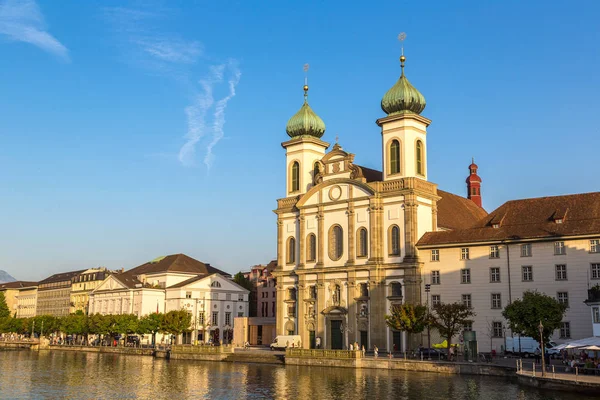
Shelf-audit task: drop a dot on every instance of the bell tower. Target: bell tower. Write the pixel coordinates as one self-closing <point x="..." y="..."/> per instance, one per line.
<point x="305" y="149"/>
<point x="404" y="130"/>
<point x="474" y="184"/>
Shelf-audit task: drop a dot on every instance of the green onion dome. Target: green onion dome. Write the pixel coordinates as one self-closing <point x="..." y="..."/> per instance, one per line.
<point x="403" y="98"/>
<point x="305" y="122"/>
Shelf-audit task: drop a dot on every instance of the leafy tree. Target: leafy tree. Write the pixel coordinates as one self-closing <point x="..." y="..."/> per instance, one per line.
<point x="524" y="315"/>
<point x="176" y="322"/>
<point x="408" y="318"/>
<point x="99" y="324"/>
<point x="247" y="284"/>
<point x="151" y="324"/>
<point x="449" y="319"/>
<point x="4" y="311"/>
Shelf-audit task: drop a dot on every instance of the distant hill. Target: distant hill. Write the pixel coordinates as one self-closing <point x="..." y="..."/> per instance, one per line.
<point x="5" y="277"/>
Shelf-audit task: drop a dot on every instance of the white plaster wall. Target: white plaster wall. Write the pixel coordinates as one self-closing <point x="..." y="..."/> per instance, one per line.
<point x="543" y="261"/>
<point x="306" y="154"/>
<point x="407" y="131"/>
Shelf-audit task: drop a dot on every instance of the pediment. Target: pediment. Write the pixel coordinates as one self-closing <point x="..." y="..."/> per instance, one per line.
<point x="335" y="190"/>
<point x="110" y="283"/>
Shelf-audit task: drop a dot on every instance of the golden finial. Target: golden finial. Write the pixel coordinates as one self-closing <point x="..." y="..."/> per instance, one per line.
<point x="305" y="68"/>
<point x="401" y="38"/>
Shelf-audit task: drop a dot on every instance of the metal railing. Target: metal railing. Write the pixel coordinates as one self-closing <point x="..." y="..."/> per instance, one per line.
<point x="323" y="353"/>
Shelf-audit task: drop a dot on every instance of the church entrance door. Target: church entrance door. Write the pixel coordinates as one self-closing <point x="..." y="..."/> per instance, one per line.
<point x="337" y="342"/>
<point x="364" y="339"/>
<point x="312" y="339"/>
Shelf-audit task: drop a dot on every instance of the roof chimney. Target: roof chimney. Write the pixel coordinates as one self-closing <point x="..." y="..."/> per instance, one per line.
<point x="474" y="184"/>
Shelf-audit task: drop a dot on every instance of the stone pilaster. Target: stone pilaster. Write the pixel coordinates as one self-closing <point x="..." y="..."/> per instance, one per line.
<point x="320" y="236"/>
<point x="320" y="329"/>
<point x="280" y="252"/>
<point x="351" y="234"/>
<point x="378" y="302"/>
<point x="352" y="307"/>
<point x="375" y="228"/>
<point x="280" y="306"/>
<point x="300" y="310"/>
<point x="434" y="210"/>
<point x="410" y="226"/>
<point x="302" y="238"/>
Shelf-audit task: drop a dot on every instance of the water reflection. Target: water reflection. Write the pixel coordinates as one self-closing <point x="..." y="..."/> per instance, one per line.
<point x="59" y="375"/>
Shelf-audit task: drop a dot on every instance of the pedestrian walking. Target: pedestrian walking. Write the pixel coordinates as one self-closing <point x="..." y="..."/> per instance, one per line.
<point x="364" y="352"/>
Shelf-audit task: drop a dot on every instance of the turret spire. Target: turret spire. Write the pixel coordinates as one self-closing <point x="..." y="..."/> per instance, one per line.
<point x="305" y="122"/>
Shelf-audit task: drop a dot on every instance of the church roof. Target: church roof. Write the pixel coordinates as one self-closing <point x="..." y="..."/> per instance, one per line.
<point x="456" y="212"/>
<point x="305" y="122"/>
<point x="403" y="98"/>
<point x="538" y="218"/>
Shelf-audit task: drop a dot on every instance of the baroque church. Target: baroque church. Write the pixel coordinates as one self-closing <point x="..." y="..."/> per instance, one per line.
<point x="347" y="235"/>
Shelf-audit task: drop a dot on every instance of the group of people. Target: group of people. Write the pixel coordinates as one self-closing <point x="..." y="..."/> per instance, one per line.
<point x="580" y="360"/>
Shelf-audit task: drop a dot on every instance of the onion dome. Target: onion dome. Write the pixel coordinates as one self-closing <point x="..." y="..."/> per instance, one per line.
<point x="305" y="122"/>
<point x="473" y="177"/>
<point x="403" y="98"/>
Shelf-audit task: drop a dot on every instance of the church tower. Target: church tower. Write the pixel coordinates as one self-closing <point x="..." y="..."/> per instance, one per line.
<point x="474" y="184"/>
<point x="403" y="131"/>
<point x="305" y="148"/>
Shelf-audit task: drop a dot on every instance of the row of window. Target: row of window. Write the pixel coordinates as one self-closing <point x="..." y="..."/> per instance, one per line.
<point x="215" y="296"/>
<point x="526" y="274"/>
<point x="526" y="250"/>
<point x="498" y="329"/>
<point x="215" y="318"/>
<point x="395" y="157"/>
<point x="295" y="175"/>
<point x="264" y="312"/>
<point x="496" y="299"/>
<point x="336" y="244"/>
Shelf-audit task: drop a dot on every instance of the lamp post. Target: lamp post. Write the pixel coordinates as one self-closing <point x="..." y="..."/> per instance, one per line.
<point x="541" y="328"/>
<point x="427" y="290"/>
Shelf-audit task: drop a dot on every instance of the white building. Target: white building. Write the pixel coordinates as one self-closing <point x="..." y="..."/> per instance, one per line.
<point x="353" y="241"/>
<point x="548" y="244"/>
<point x="214" y="301"/>
<point x="143" y="290"/>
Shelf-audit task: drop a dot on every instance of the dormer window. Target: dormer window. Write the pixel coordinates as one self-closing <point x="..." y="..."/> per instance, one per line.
<point x="558" y="220"/>
<point x="495" y="226"/>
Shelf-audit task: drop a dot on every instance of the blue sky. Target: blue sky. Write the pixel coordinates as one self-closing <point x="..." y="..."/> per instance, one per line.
<point x="130" y="130"/>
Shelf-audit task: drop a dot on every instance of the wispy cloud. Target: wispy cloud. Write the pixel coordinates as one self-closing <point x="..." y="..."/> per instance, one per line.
<point x="22" y="21"/>
<point x="169" y="55"/>
<point x="219" y="114"/>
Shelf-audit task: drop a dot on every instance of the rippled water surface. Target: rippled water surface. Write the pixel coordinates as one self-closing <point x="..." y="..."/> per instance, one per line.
<point x="69" y="375"/>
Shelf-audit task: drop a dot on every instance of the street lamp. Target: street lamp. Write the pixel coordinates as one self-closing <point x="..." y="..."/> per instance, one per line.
<point x="541" y="328"/>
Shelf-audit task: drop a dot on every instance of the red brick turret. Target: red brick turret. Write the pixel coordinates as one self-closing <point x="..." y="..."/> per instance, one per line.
<point x="474" y="184"/>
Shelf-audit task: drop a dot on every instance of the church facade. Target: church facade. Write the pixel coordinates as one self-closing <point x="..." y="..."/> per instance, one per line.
<point x="347" y="235"/>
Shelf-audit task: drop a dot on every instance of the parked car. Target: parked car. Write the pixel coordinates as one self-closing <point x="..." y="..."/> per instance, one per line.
<point x="133" y="340"/>
<point x="434" y="354"/>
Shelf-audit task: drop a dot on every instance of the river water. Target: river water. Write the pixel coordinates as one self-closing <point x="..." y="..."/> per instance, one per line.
<point x="70" y="375"/>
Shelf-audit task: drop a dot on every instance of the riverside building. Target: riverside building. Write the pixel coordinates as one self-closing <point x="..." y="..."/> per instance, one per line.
<point x="353" y="241"/>
<point x="54" y="294"/>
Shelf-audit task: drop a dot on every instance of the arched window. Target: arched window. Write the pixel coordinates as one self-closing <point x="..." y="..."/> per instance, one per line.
<point x="336" y="242"/>
<point x="292" y="294"/>
<point x="316" y="171"/>
<point x="420" y="169"/>
<point x="215" y="284"/>
<point x="396" y="289"/>
<point x="394" y="240"/>
<point x="291" y="250"/>
<point x="295" y="177"/>
<point x="395" y="157"/>
<point x="364" y="290"/>
<point x="362" y="242"/>
<point x="311" y="247"/>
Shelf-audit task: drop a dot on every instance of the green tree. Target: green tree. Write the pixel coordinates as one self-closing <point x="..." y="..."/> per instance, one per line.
<point x="4" y="311"/>
<point x="408" y="318"/>
<point x="176" y="322"/>
<point x="244" y="282"/>
<point x="524" y="315"/>
<point x="150" y="324"/>
<point x="99" y="324"/>
<point x="449" y="319"/>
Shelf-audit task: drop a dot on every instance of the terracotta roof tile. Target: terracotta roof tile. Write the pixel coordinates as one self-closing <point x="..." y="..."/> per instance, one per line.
<point x="456" y="212"/>
<point x="529" y="219"/>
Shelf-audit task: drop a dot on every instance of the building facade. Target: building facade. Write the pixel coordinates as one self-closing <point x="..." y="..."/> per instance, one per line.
<point x="347" y="235"/>
<point x="548" y="244"/>
<point x="82" y="285"/>
<point x="54" y="294"/>
<point x="214" y="302"/>
<point x="27" y="301"/>
<point x="164" y="284"/>
<point x="11" y="292"/>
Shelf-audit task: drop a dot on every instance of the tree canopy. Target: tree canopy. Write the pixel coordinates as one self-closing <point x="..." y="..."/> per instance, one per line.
<point x="408" y="318"/>
<point x="524" y="315"/>
<point x="450" y="318"/>
<point x="4" y="311"/>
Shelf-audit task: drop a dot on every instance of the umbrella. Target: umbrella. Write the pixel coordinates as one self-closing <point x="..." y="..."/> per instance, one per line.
<point x="593" y="347"/>
<point x="566" y="346"/>
<point x="444" y="344"/>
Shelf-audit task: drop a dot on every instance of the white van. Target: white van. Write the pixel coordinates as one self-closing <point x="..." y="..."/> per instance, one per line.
<point x="283" y="341"/>
<point x="527" y="346"/>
